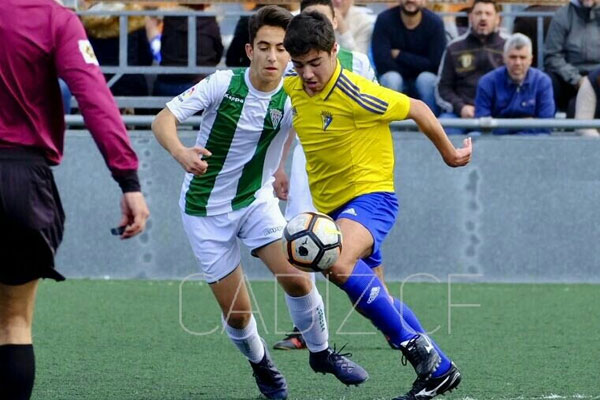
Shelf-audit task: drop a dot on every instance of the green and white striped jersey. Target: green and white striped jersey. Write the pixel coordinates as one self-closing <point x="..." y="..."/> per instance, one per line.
<point x="244" y="129"/>
<point x="356" y="62"/>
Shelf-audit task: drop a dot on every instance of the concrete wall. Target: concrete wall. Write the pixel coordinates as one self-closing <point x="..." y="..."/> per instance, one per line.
<point x="525" y="210"/>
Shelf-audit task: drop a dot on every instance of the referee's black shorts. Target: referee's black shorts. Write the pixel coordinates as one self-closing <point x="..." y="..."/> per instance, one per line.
<point x="31" y="217"/>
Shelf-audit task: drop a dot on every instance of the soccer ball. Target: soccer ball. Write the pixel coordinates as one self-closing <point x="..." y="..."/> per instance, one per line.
<point x="312" y="241"/>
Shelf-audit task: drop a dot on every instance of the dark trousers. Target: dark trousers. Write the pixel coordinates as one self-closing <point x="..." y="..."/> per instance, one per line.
<point x="564" y="94"/>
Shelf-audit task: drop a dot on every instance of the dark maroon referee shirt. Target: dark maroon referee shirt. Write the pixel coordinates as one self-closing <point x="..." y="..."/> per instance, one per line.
<point x="40" y="40"/>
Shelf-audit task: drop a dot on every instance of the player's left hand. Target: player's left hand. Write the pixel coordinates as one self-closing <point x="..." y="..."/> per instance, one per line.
<point x="281" y="184"/>
<point x="461" y="156"/>
<point x="134" y="214"/>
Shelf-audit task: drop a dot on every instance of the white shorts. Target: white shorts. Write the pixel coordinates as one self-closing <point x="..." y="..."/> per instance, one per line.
<point x="214" y="238"/>
<point x="299" y="198"/>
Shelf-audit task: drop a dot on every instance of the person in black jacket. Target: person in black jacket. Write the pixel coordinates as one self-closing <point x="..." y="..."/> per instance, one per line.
<point x="236" y="52"/>
<point x="209" y="50"/>
<point x="466" y="59"/>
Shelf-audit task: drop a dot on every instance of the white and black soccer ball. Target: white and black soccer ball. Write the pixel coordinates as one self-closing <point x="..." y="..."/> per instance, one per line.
<point x="312" y="241"/>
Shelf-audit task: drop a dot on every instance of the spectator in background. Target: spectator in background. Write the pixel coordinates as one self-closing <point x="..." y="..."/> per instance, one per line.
<point x="587" y="105"/>
<point x="408" y="42"/>
<point x="572" y="49"/>
<point x="103" y="32"/>
<point x="236" y="52"/>
<point x="174" y="51"/>
<point x="467" y="59"/>
<point x="354" y="26"/>
<point x="154" y="35"/>
<point x="515" y="90"/>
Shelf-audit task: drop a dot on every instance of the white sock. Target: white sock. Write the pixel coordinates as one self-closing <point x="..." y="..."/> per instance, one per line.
<point x="308" y="315"/>
<point x="247" y="340"/>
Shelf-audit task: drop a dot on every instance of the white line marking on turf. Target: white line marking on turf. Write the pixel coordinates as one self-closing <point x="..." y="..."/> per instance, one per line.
<point x="551" y="396"/>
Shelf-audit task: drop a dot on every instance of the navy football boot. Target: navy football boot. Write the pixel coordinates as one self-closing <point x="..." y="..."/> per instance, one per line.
<point x="268" y="378"/>
<point x="333" y="362"/>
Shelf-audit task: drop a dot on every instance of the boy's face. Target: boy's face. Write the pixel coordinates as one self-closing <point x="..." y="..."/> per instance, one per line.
<point x="316" y="68"/>
<point x="268" y="57"/>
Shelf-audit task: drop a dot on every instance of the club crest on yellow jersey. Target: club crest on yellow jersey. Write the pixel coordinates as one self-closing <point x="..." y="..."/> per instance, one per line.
<point x="326" y="117"/>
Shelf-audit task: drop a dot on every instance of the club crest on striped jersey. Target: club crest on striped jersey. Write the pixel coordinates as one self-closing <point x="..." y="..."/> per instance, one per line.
<point x="326" y="117"/>
<point x="275" y="117"/>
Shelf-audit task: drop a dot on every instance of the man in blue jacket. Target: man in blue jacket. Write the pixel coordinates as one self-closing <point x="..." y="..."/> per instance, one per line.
<point x="515" y="90"/>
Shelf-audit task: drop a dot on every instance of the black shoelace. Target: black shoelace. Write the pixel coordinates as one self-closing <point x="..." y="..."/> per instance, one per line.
<point x="337" y="354"/>
<point x="409" y="346"/>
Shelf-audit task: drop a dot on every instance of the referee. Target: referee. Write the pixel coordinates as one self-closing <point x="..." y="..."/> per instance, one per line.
<point x="41" y="41"/>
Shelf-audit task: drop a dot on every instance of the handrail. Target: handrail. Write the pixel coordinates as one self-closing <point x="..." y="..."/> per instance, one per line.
<point x="484" y="123"/>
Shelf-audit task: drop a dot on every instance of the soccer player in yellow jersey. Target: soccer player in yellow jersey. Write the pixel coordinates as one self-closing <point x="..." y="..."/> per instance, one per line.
<point x="342" y="121"/>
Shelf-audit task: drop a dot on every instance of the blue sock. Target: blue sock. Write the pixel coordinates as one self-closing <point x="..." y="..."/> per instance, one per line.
<point x="411" y="319"/>
<point x="367" y="293"/>
<point x="408" y="315"/>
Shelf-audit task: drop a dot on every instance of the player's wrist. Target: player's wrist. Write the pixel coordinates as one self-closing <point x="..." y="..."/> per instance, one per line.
<point x="177" y="152"/>
<point x="128" y="181"/>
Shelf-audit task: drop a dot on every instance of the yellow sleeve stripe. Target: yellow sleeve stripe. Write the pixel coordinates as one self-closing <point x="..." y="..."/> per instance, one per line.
<point x="365" y="103"/>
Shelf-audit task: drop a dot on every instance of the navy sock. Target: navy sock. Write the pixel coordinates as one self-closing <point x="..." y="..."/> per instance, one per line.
<point x="17" y="371"/>
<point x="369" y="295"/>
<point x="411" y="319"/>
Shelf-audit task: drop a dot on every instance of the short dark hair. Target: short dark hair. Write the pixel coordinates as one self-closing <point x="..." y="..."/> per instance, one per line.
<point x="304" y="4"/>
<point x="492" y="2"/>
<point x="268" y="16"/>
<point x="309" y="31"/>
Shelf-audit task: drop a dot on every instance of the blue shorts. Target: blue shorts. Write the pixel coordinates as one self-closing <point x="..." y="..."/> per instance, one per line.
<point x="375" y="211"/>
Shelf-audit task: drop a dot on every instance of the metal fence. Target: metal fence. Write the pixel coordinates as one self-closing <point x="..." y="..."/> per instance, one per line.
<point x="482" y="124"/>
<point x="479" y="124"/>
<point x="192" y="68"/>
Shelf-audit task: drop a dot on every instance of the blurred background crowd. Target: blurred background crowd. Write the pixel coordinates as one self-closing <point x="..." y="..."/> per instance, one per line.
<point x="465" y="60"/>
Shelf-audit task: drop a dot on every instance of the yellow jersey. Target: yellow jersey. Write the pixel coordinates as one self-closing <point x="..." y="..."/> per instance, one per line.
<point x="345" y="133"/>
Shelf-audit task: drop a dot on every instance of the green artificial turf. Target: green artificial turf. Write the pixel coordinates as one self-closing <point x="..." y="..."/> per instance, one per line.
<point x="99" y="339"/>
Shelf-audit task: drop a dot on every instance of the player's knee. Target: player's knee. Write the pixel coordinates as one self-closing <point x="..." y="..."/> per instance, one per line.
<point x="239" y="320"/>
<point x="340" y="271"/>
<point x="297" y="285"/>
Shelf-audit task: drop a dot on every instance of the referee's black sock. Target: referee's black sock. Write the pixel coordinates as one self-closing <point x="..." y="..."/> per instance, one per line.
<point x="17" y="371"/>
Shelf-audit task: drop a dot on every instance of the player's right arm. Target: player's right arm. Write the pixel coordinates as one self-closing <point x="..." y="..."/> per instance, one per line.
<point x="201" y="97"/>
<point x="164" y="128"/>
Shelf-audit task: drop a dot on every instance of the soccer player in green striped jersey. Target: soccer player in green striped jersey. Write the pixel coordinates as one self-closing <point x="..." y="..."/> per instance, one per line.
<point x="227" y="194"/>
